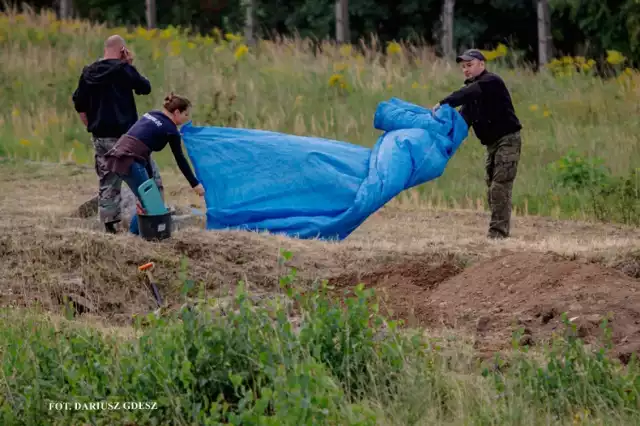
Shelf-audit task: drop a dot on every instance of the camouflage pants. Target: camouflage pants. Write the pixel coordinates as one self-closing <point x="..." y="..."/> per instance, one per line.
<point x="110" y="184"/>
<point x="501" y="167"/>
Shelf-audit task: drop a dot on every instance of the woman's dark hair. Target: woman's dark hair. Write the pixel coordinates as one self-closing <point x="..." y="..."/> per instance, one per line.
<point x="174" y="102"/>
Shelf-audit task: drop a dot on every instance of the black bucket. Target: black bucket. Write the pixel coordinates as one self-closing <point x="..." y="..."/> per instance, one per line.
<point x="155" y="227"/>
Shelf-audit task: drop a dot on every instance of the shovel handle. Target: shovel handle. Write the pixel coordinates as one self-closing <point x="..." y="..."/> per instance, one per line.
<point x="146" y="268"/>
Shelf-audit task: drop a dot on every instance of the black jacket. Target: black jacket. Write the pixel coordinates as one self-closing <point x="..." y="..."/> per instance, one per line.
<point x="486" y="106"/>
<point x="105" y="94"/>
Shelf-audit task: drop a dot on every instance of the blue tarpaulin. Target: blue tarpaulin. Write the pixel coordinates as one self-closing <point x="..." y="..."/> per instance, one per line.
<point x="309" y="187"/>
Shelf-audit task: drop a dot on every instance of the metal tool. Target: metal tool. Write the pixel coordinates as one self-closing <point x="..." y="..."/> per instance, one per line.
<point x="147" y="268"/>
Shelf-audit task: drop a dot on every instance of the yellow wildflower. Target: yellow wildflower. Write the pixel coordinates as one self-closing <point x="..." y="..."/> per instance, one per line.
<point x="546" y="113"/>
<point x="490" y="55"/>
<point x="554" y="63"/>
<point x="415" y="85"/>
<point x="145" y="34"/>
<point x="174" y="47"/>
<point x="614" y="57"/>
<point x="501" y="50"/>
<point x="345" y="50"/>
<point x="217" y="34"/>
<point x="166" y="34"/>
<point x="336" y="80"/>
<point x="233" y="37"/>
<point x="241" y="51"/>
<point x="393" y="48"/>
<point x="24" y="142"/>
<point x="15" y="112"/>
<point x="533" y="107"/>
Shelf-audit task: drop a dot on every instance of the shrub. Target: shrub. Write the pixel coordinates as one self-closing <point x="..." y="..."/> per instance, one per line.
<point x="612" y="198"/>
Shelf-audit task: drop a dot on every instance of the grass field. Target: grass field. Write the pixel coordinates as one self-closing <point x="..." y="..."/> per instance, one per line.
<point x="538" y="329"/>
<point x="284" y="87"/>
<point x="484" y="341"/>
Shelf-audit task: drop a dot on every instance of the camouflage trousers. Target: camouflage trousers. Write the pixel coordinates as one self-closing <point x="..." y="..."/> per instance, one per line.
<point x="501" y="167"/>
<point x="110" y="184"/>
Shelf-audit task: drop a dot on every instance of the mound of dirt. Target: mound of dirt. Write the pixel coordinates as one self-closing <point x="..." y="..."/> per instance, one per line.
<point x="98" y="272"/>
<point x="531" y="291"/>
<point x="492" y="298"/>
<point x="404" y="286"/>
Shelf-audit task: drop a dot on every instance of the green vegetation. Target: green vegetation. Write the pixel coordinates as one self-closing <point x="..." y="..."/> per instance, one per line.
<point x="284" y="87"/>
<point x="296" y="359"/>
<point x="578" y="27"/>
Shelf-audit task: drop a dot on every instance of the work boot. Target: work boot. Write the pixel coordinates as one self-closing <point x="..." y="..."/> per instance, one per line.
<point x="111" y="227"/>
<point x="496" y="236"/>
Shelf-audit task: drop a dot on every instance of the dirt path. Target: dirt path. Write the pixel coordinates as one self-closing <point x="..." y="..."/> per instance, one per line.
<point x="435" y="268"/>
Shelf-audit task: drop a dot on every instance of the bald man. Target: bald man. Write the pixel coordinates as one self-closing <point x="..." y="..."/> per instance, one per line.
<point x="106" y="105"/>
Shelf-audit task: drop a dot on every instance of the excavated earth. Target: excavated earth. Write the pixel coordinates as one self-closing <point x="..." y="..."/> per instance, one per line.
<point x="431" y="268"/>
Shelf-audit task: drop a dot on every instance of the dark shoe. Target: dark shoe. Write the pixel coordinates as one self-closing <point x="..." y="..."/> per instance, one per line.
<point x="111" y="227"/>
<point x="496" y="236"/>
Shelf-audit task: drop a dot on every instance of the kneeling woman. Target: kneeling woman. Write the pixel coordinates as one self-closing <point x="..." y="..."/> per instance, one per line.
<point x="129" y="158"/>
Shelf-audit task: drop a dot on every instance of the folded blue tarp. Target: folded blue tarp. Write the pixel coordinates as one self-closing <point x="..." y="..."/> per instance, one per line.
<point x="309" y="187"/>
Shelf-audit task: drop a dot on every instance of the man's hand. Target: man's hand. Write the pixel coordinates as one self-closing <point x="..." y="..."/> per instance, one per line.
<point x="83" y="117"/>
<point x="199" y="189"/>
<point x="127" y="56"/>
<point x="436" y="107"/>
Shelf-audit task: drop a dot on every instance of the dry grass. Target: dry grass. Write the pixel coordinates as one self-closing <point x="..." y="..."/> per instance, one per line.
<point x="285" y="87"/>
<point x="417" y="242"/>
<point x="44" y="248"/>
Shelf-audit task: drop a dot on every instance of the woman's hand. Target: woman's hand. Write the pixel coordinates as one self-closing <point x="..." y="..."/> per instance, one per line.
<point x="199" y="190"/>
<point x="139" y="208"/>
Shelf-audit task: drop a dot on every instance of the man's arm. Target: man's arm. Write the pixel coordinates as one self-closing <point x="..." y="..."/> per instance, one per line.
<point x="80" y="99"/>
<point x="85" y="120"/>
<point x="463" y="96"/>
<point x="141" y="85"/>
<point x="465" y="115"/>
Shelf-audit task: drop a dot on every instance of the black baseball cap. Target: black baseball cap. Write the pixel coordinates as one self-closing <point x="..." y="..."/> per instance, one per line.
<point x="470" y="55"/>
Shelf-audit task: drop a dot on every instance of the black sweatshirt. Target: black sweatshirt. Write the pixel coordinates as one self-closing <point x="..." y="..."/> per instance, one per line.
<point x="486" y="106"/>
<point x="105" y="94"/>
<point x="155" y="130"/>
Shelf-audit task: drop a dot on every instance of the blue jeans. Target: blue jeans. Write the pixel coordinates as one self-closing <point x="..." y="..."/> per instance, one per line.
<point x="138" y="174"/>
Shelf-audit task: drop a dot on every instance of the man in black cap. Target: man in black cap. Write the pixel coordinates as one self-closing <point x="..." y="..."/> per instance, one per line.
<point x="488" y="109"/>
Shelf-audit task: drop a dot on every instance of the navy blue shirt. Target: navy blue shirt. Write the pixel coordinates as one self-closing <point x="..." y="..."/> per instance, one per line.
<point x="156" y="130"/>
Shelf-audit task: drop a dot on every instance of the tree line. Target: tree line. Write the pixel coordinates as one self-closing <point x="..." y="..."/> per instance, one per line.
<point x="537" y="29"/>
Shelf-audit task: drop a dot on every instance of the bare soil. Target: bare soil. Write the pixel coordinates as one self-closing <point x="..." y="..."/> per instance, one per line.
<point x="432" y="268"/>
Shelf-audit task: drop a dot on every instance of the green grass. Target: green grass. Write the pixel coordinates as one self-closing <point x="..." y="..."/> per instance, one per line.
<point x="247" y="363"/>
<point x="284" y="87"/>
